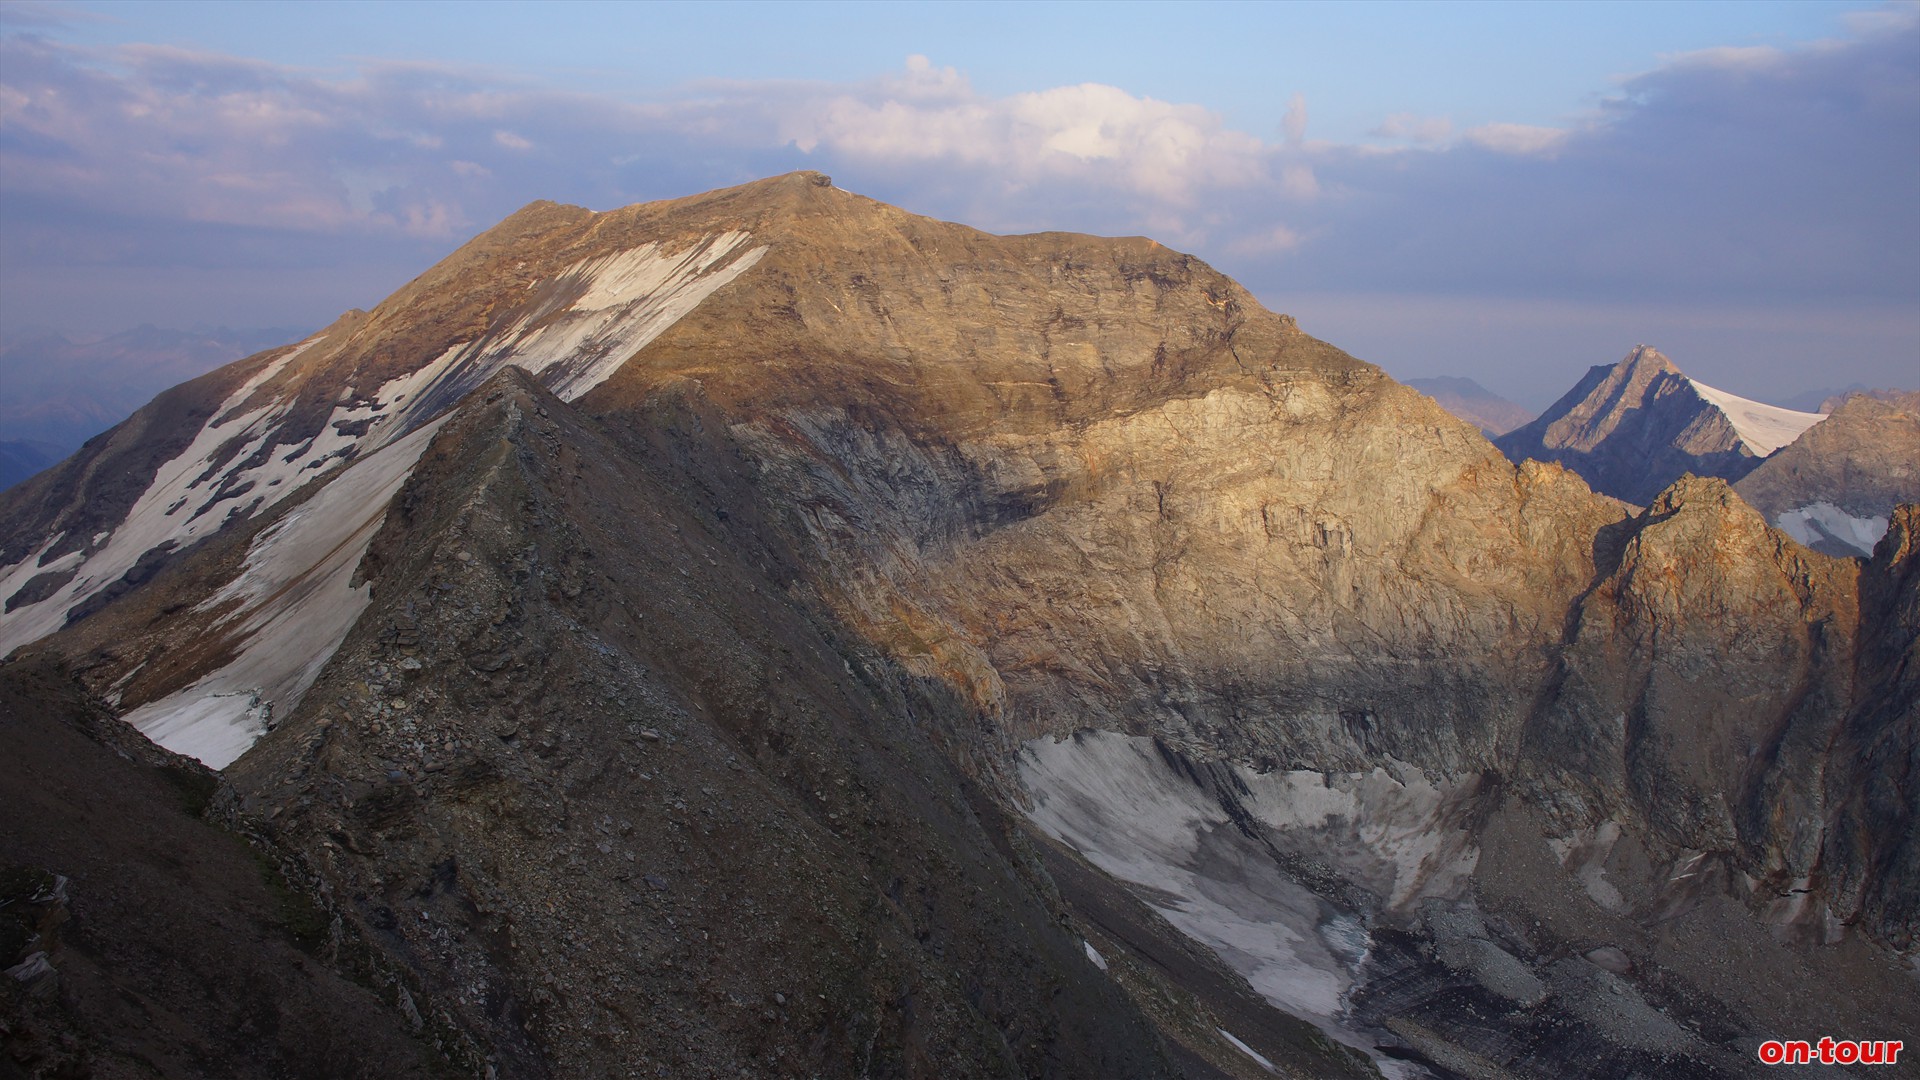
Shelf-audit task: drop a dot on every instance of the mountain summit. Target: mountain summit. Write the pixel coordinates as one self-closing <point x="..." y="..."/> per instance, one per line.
<point x="772" y="633"/>
<point x="1634" y="427"/>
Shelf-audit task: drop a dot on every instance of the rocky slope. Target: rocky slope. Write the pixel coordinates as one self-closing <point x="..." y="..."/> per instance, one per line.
<point x="1835" y="488"/>
<point x="1634" y="427"/>
<point x="145" y="940"/>
<point x="959" y="620"/>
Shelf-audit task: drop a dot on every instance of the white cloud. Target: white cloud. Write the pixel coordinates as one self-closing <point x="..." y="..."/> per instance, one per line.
<point x="1522" y="140"/>
<point x="1726" y="58"/>
<point x="1294" y="123"/>
<point x="1415" y="128"/>
<point x="1090" y="133"/>
<point x="1733" y="167"/>
<point x="1276" y="240"/>
<point x="1892" y="18"/>
<point x="1298" y="182"/>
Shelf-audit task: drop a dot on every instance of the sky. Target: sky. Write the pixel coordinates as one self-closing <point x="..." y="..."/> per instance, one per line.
<point x="1511" y="192"/>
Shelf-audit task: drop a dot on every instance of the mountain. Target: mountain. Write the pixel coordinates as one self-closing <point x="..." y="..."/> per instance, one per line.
<point x="1473" y="403"/>
<point x="1828" y="399"/>
<point x="1631" y="428"/>
<point x="62" y="392"/>
<point x="1835" y="488"/>
<point x="1891" y="395"/>
<point x="1823" y="399"/>
<point x="771" y="633"/>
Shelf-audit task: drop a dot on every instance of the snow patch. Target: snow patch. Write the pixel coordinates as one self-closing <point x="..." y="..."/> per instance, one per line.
<point x="599" y="313"/>
<point x="595" y="315"/>
<point x="1764" y="428"/>
<point x="619" y="303"/>
<point x="1585" y="855"/>
<point x="292" y="606"/>
<point x="1093" y="954"/>
<point x="1819" y="521"/>
<point x="1400" y="835"/>
<point x="17" y="575"/>
<point x="1116" y="800"/>
<point x="1247" y="1050"/>
<point x="164" y="514"/>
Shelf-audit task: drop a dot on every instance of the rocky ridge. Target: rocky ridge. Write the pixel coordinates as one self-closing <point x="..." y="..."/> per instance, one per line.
<point x="1835" y="488"/>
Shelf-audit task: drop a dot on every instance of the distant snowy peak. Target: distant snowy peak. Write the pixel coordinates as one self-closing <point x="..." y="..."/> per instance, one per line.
<point x="1631" y="428"/>
<point x="1829" y="480"/>
<point x="1764" y="428"/>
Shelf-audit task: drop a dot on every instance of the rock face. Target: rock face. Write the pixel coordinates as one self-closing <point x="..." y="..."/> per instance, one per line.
<point x="1835" y="488"/>
<point x="1871" y="849"/>
<point x="1477" y="405"/>
<point x="1634" y="427"/>
<point x="139" y="938"/>
<point x="772" y="632"/>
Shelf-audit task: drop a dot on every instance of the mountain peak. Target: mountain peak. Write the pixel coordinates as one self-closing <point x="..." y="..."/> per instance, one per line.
<point x="1835" y="487"/>
<point x="1633" y="427"/>
<point x="1698" y="493"/>
<point x="1646" y="358"/>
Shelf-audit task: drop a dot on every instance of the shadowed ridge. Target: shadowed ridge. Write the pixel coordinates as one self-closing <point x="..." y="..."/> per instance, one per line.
<point x="1872" y="852"/>
<point x="580" y="698"/>
<point x="170" y="946"/>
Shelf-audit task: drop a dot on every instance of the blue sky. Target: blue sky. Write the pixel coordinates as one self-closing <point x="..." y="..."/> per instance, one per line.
<point x="1507" y="191"/>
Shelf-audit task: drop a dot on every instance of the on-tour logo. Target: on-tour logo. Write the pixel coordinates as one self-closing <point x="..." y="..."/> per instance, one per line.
<point x="1830" y="1051"/>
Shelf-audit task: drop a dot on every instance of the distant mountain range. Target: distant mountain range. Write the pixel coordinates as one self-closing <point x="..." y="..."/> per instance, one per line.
<point x="1828" y="398"/>
<point x="1829" y="480"/>
<point x="57" y="392"/>
<point x="1473" y="403"/>
<point x="21" y="458"/>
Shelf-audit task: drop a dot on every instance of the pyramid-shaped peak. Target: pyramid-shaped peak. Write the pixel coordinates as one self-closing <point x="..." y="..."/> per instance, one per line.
<point x="1649" y="360"/>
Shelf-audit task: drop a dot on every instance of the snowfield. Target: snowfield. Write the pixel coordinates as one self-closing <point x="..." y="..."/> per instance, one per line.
<point x="1117" y="801"/>
<point x="1816" y="521"/>
<point x="291" y="602"/>
<point x="1764" y="428"/>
